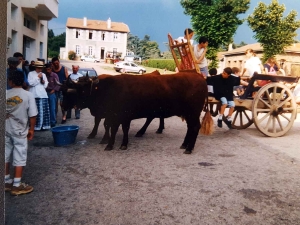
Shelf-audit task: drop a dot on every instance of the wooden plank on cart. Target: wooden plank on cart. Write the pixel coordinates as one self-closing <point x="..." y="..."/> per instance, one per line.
<point x="183" y="54"/>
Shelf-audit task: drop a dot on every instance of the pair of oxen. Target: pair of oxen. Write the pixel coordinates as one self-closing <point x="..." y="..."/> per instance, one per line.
<point x="122" y="98"/>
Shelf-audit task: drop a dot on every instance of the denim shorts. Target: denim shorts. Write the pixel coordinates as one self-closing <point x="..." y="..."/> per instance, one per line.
<point x="204" y="71"/>
<point x="18" y="148"/>
<point x="225" y="102"/>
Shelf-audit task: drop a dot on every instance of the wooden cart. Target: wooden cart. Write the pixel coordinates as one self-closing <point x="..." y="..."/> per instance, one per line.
<point x="273" y="110"/>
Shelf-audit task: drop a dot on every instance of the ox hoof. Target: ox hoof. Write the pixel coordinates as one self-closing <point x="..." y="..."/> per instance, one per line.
<point x="103" y="142"/>
<point x="187" y="152"/>
<point x="139" y="135"/>
<point x="91" y="136"/>
<point x="159" y="131"/>
<point x="108" y="148"/>
<point x="123" y="147"/>
<point x="183" y="146"/>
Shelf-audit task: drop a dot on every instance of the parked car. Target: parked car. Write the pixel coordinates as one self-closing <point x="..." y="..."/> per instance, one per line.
<point x="90" y="71"/>
<point x="89" y="58"/>
<point x="129" y="67"/>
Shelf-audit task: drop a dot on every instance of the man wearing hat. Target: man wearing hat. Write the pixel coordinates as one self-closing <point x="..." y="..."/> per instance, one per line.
<point x="37" y="86"/>
<point x="13" y="63"/>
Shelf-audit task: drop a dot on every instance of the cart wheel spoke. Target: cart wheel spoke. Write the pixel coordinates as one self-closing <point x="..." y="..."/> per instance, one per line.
<point x="274" y="109"/>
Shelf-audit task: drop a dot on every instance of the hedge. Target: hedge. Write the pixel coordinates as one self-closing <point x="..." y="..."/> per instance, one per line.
<point x="168" y="64"/>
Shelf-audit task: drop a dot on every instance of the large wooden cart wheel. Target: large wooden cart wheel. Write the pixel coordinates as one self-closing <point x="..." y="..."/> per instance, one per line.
<point x="274" y="110"/>
<point x="241" y="118"/>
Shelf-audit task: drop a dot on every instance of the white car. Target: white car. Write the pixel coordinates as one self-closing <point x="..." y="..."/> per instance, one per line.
<point x="89" y="58"/>
<point x="129" y="67"/>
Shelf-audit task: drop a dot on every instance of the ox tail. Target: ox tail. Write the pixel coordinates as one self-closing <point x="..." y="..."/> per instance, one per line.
<point x="207" y="124"/>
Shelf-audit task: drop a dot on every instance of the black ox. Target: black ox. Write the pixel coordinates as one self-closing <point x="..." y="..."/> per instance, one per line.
<point x="122" y="98"/>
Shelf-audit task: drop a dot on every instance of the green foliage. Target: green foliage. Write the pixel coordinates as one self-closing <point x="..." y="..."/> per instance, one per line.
<point x="273" y="31"/>
<point x="72" y="55"/>
<point x="144" y="48"/>
<point x="216" y="19"/>
<point x="168" y="64"/>
<point x="55" y="42"/>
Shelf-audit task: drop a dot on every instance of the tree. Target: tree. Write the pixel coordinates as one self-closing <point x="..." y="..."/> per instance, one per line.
<point x="217" y="20"/>
<point x="273" y="31"/>
<point x="144" y="48"/>
<point x="55" y="42"/>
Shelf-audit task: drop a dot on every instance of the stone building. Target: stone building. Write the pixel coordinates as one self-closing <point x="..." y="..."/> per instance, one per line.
<point x="102" y="39"/>
<point x="288" y="61"/>
<point x="27" y="27"/>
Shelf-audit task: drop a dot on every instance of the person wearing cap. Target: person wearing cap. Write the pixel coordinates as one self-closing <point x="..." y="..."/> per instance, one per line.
<point x="52" y="92"/>
<point x="21" y="112"/>
<point x="37" y="86"/>
<point x="13" y="63"/>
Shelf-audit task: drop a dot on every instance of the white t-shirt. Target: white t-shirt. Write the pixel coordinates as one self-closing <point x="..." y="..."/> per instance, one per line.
<point x="182" y="39"/>
<point x="20" y="105"/>
<point x="198" y="53"/>
<point x="76" y="76"/>
<point x="36" y="87"/>
<point x="253" y="65"/>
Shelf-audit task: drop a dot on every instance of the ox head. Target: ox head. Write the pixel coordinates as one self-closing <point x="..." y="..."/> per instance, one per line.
<point x="78" y="93"/>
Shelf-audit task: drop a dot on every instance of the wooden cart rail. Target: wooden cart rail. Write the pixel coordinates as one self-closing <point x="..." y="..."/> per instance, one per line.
<point x="273" y="78"/>
<point x="183" y="54"/>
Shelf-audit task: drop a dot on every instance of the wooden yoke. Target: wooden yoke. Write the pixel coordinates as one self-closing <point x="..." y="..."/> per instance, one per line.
<point x="185" y="50"/>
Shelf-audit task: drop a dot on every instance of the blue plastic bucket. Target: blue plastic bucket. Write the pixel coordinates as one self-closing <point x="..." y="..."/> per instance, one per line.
<point x="64" y="135"/>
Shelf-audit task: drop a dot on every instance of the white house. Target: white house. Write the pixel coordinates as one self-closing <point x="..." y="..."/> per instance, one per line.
<point x="102" y="39"/>
<point x="27" y="27"/>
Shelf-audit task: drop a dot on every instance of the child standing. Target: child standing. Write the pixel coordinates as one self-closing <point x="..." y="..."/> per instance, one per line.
<point x="20" y="105"/>
<point x="200" y="55"/>
<point x="223" y="90"/>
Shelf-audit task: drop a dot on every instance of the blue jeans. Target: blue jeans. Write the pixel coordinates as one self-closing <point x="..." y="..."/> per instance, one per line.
<point x="224" y="101"/>
<point x="52" y="98"/>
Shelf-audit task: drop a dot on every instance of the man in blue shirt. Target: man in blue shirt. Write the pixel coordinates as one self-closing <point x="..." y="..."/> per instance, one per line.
<point x="13" y="62"/>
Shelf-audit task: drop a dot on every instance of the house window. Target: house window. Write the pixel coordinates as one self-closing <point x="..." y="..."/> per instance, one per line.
<point x="26" y="23"/>
<point x="115" y="36"/>
<point x="29" y="22"/>
<point x="90" y="50"/>
<point x="103" y="36"/>
<point x="77" y="49"/>
<point x="91" y="35"/>
<point x="77" y="33"/>
<point x="14" y="11"/>
<point x="41" y="49"/>
<point x="42" y="30"/>
<point x="114" y="52"/>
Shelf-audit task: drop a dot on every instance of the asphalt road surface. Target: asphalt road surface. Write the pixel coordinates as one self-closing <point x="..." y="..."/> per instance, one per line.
<point x="232" y="177"/>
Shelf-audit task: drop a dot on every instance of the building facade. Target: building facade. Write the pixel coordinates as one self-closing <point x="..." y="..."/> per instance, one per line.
<point x="27" y="27"/>
<point x="289" y="61"/>
<point x="101" y="39"/>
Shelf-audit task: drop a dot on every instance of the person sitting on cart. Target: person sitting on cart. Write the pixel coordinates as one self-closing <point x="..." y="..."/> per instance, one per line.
<point x="223" y="90"/>
<point x="240" y="89"/>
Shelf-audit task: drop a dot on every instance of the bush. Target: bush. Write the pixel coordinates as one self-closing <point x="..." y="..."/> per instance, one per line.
<point x="168" y="64"/>
<point x="72" y="55"/>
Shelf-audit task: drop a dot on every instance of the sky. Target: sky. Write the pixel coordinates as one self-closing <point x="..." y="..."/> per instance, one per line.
<point x="155" y="18"/>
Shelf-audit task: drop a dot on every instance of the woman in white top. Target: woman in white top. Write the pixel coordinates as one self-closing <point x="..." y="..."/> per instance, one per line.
<point x="37" y="86"/>
<point x="200" y="55"/>
<point x="252" y="64"/>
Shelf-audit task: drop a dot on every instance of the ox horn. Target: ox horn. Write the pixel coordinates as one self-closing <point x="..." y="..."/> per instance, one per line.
<point x="57" y="82"/>
<point x="71" y="90"/>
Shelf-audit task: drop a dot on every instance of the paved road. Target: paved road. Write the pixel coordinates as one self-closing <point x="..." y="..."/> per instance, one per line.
<point x="233" y="177"/>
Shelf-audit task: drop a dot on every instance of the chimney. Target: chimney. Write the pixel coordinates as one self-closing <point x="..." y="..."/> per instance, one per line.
<point x="230" y="47"/>
<point x="109" y="23"/>
<point x="84" y="21"/>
